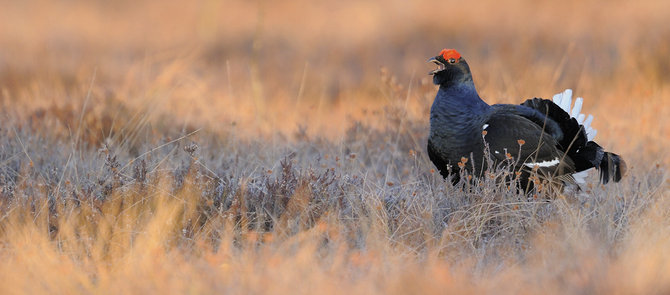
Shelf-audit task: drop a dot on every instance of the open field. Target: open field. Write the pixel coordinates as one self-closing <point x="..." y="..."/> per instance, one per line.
<point x="278" y="147"/>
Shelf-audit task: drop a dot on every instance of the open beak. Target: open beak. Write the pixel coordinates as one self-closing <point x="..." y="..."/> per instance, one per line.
<point x="440" y="66"/>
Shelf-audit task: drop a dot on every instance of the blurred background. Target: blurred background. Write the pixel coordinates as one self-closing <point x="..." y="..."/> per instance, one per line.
<point x="261" y="68"/>
<point x="279" y="147"/>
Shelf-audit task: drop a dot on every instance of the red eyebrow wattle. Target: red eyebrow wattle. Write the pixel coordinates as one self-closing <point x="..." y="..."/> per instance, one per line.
<point x="450" y="53"/>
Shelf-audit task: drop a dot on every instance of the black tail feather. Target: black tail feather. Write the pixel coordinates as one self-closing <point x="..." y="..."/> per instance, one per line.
<point x="574" y="142"/>
<point x="574" y="135"/>
<point x="612" y="167"/>
<point x="587" y="156"/>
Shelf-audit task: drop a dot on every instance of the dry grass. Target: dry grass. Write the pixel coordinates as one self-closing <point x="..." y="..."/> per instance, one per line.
<point x="279" y="147"/>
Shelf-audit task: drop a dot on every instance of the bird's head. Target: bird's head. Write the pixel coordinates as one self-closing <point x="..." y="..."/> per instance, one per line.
<point x="451" y="68"/>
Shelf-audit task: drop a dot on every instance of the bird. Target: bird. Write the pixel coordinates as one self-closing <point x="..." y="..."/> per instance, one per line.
<point x="542" y="140"/>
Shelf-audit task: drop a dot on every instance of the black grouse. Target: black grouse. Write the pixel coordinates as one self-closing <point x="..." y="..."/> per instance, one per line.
<point x="538" y="137"/>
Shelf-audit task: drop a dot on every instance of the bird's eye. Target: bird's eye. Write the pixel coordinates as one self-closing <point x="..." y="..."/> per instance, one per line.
<point x="451" y="60"/>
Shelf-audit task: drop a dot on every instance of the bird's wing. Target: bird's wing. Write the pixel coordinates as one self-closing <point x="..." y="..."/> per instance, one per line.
<point x="513" y="137"/>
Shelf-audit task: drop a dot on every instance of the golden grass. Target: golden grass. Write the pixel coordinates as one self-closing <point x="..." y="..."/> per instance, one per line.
<point x="149" y="240"/>
<point x="91" y="91"/>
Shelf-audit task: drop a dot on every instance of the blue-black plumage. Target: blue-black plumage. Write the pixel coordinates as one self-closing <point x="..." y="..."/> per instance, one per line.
<point x="539" y="137"/>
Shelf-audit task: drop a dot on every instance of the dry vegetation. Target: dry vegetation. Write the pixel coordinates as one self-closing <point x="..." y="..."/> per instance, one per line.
<point x="277" y="147"/>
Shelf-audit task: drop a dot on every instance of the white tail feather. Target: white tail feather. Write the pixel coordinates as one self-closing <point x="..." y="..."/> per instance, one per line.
<point x="564" y="100"/>
<point x="580" y="176"/>
<point x="588" y="121"/>
<point x="558" y="97"/>
<point x="591" y="134"/>
<point x="577" y="108"/>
